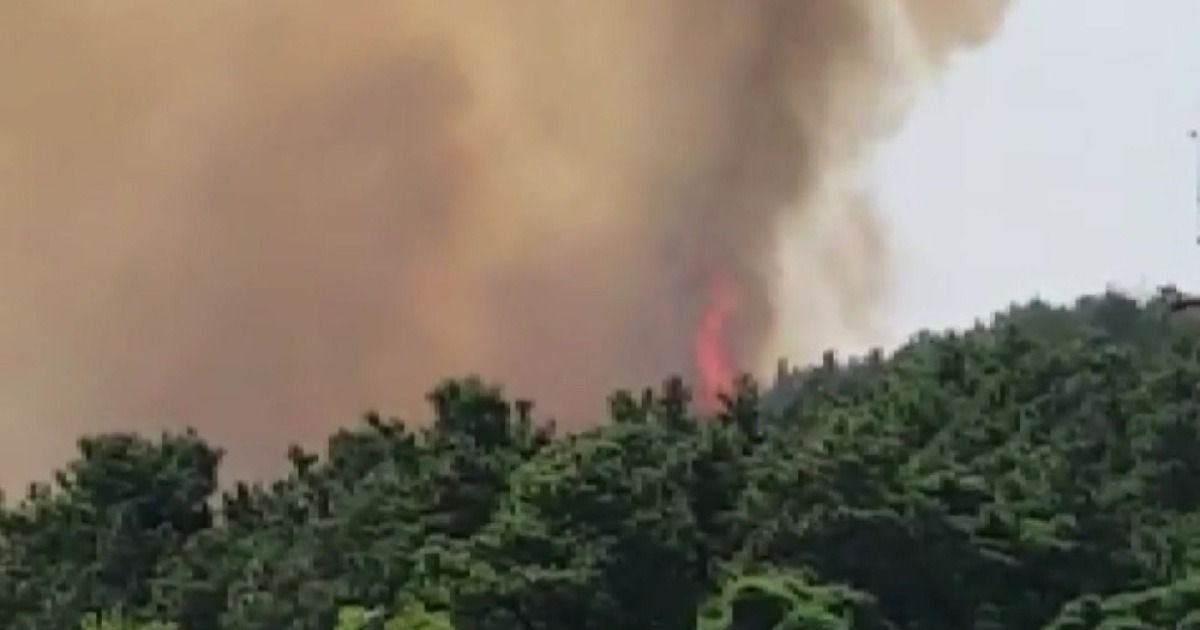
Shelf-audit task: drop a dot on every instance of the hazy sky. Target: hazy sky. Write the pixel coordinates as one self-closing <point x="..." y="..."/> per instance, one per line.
<point x="1052" y="162"/>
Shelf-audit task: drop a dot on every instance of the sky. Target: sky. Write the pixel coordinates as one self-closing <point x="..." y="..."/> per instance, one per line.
<point x="1052" y="162"/>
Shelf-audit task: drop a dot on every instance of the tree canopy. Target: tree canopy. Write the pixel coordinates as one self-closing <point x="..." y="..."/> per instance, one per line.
<point x="1038" y="471"/>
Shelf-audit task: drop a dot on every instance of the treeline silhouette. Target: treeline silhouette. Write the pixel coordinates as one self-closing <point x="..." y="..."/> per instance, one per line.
<point x="1038" y="471"/>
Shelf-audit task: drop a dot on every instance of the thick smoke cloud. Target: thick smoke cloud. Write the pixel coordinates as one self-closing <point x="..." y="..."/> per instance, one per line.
<point x="262" y="218"/>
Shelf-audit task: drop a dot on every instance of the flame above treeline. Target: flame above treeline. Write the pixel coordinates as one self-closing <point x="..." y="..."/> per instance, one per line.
<point x="713" y="363"/>
<point x="262" y="218"/>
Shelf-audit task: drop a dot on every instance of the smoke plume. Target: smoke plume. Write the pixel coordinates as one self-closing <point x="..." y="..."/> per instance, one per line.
<point x="262" y="218"/>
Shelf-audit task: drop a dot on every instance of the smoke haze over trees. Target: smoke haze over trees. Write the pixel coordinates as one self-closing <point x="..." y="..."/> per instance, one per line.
<point x="230" y="227"/>
<point x="1037" y="472"/>
<point x="262" y="217"/>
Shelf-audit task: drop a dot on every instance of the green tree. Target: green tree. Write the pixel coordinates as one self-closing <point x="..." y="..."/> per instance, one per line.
<point x="787" y="600"/>
<point x="1035" y="471"/>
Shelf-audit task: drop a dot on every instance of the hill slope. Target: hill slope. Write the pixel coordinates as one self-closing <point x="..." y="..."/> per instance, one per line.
<point x="1041" y="471"/>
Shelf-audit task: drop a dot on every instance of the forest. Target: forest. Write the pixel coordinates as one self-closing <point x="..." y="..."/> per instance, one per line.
<point x="1038" y="471"/>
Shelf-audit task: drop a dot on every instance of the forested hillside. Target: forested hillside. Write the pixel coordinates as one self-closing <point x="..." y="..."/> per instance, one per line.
<point x="1038" y="472"/>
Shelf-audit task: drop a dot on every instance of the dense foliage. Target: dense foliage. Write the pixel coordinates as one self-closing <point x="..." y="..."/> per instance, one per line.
<point x="1038" y="472"/>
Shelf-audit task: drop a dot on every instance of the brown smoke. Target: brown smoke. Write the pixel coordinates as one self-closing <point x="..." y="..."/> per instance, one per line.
<point x="261" y="218"/>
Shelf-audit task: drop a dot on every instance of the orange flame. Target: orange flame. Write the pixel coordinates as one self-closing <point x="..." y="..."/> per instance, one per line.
<point x="710" y="345"/>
